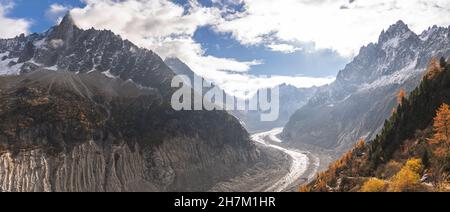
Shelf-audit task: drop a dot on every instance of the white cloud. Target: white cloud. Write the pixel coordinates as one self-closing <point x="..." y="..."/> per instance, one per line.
<point x="56" y="12"/>
<point x="244" y="85"/>
<point x="283" y="26"/>
<point x="11" y="27"/>
<point x="284" y="48"/>
<point x="330" y="24"/>
<point x="164" y="27"/>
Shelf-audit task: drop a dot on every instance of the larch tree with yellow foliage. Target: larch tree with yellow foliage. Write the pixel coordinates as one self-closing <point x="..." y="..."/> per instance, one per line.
<point x="441" y="126"/>
<point x="441" y="129"/>
<point x="374" y="185"/>
<point x="441" y="137"/>
<point x="408" y="178"/>
<point x="400" y="96"/>
<point x="434" y="68"/>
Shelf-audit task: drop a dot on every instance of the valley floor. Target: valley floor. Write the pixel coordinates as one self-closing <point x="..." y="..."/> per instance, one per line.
<point x="280" y="168"/>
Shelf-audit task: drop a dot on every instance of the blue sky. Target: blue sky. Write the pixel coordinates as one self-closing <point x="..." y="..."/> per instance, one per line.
<point x="323" y="63"/>
<point x="35" y="11"/>
<point x="236" y="43"/>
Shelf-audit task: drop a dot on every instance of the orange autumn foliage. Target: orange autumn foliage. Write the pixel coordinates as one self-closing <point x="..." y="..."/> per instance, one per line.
<point x="434" y="68"/>
<point x="441" y="126"/>
<point x="361" y="143"/>
<point x="321" y="184"/>
<point x="374" y="185"/>
<point x="414" y="165"/>
<point x="305" y="189"/>
<point x="408" y="178"/>
<point x="341" y="163"/>
<point x="404" y="181"/>
<point x="441" y="152"/>
<point x="400" y="96"/>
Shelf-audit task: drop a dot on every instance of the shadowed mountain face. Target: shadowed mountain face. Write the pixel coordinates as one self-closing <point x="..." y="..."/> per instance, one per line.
<point x="180" y="68"/>
<point x="83" y="110"/>
<point x="364" y="94"/>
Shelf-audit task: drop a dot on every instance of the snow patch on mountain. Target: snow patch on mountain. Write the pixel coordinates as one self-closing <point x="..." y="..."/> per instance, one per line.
<point x="364" y="93"/>
<point x="52" y="68"/>
<point x="39" y="43"/>
<point x="398" y="77"/>
<point x="396" y="41"/>
<point x="5" y="65"/>
<point x="426" y="34"/>
<point x="109" y="75"/>
<point x="56" y="43"/>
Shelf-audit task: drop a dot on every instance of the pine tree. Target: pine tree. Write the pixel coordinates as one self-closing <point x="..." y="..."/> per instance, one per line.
<point x="426" y="158"/>
<point x="442" y="62"/>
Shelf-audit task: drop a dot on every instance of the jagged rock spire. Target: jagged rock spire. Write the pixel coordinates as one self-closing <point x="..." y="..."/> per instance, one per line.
<point x="67" y="20"/>
<point x="65" y="29"/>
<point x="394" y="30"/>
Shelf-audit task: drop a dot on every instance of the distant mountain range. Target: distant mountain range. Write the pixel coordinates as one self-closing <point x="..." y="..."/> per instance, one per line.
<point x="364" y="94"/>
<point x="291" y="99"/>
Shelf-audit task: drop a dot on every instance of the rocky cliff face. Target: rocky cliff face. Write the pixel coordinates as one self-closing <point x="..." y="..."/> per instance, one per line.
<point x="175" y="166"/>
<point x="83" y="110"/>
<point x="364" y="94"/>
<point x="88" y="167"/>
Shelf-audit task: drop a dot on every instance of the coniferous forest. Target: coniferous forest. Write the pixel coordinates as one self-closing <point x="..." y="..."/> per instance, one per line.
<point x="411" y="153"/>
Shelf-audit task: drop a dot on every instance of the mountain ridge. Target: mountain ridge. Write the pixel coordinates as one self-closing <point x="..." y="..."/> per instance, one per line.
<point x="406" y="155"/>
<point x="291" y="98"/>
<point x="369" y="83"/>
<point x="84" y="110"/>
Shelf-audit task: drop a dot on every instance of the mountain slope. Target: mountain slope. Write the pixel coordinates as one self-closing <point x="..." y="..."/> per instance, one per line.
<point x="291" y="99"/>
<point x="408" y="137"/>
<point x="180" y="68"/>
<point x="364" y="93"/>
<point x="84" y="110"/>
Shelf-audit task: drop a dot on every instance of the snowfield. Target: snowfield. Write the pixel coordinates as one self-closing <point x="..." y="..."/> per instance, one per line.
<point x="5" y="69"/>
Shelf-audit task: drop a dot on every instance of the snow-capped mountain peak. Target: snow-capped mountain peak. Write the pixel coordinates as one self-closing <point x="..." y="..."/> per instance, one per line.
<point x="396" y="30"/>
<point x="66" y="47"/>
<point x="364" y="92"/>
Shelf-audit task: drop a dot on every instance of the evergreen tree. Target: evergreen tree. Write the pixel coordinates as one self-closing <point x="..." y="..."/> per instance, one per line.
<point x="425" y="159"/>
<point x="442" y="62"/>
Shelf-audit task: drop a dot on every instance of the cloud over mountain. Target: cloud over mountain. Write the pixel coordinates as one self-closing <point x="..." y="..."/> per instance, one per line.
<point x="340" y="25"/>
<point x="11" y="27"/>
